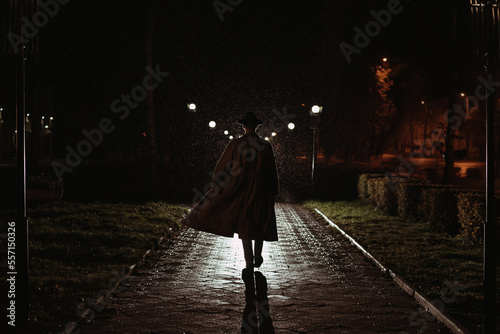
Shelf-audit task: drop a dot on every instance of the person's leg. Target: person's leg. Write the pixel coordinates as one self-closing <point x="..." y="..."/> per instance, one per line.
<point x="248" y="253"/>
<point x="258" y="252"/>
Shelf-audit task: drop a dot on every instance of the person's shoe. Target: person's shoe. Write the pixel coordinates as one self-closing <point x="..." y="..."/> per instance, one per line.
<point x="258" y="261"/>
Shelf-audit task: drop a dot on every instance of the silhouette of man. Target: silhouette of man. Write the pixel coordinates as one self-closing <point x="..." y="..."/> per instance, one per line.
<point x="241" y="199"/>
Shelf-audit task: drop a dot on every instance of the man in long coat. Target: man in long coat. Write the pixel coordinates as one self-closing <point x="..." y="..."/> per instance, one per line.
<point x="241" y="199"/>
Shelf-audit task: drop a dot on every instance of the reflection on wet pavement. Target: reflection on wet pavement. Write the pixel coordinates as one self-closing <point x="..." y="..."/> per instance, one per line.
<point x="311" y="281"/>
<point x="256" y="316"/>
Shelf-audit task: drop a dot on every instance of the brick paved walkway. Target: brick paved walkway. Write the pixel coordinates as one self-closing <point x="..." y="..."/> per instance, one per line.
<point x="317" y="283"/>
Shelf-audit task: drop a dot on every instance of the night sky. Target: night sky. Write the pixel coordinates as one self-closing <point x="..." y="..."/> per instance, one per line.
<point x="261" y="56"/>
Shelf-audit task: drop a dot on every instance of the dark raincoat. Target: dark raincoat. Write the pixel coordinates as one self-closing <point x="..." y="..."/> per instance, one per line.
<point x="241" y="199"/>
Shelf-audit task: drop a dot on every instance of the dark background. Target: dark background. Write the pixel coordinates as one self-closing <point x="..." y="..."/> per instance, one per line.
<point x="263" y="55"/>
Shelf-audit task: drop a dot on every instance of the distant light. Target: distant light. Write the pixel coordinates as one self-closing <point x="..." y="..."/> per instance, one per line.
<point x="423" y="102"/>
<point x="27" y="115"/>
<point x="316" y="110"/>
<point x="291" y="126"/>
<point x="231" y="137"/>
<point x="212" y="124"/>
<point x="43" y="117"/>
<point x="191" y="107"/>
<point x="303" y="105"/>
<point x="462" y="94"/>
<point x="226" y="132"/>
<point x="1" y="109"/>
<point x="384" y="59"/>
<point x="52" y="118"/>
<point x="144" y="134"/>
<point x="46" y="126"/>
<point x="273" y="134"/>
<point x="267" y="138"/>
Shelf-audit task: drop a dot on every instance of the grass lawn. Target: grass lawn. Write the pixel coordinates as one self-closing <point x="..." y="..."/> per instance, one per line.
<point x="77" y="248"/>
<point x="441" y="266"/>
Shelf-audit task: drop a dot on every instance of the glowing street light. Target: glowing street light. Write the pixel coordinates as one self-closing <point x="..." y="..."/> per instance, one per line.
<point x="291" y="126"/>
<point x="191" y="107"/>
<point x="316" y="110"/>
<point x="231" y="137"/>
<point x="226" y="132"/>
<point x="273" y="134"/>
<point x="212" y="124"/>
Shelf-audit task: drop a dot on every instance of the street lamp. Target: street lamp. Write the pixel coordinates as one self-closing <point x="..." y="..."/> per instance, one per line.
<point x="314" y="112"/>
<point x="191" y="107"/>
<point x="291" y="126"/>
<point x="18" y="11"/>
<point x="212" y="124"/>
<point x="486" y="29"/>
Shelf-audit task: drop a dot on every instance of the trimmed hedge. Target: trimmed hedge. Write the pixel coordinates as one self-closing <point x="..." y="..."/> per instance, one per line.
<point x="472" y="214"/>
<point x="409" y="196"/>
<point x="363" y="192"/>
<point x="382" y="195"/>
<point x="439" y="208"/>
<point x="447" y="209"/>
<point x="382" y="192"/>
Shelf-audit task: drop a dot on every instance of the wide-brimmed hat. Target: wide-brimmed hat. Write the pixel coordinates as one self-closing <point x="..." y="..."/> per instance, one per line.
<point x="250" y="119"/>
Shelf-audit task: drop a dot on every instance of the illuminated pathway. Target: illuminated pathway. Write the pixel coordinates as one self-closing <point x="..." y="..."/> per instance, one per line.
<point x="317" y="283"/>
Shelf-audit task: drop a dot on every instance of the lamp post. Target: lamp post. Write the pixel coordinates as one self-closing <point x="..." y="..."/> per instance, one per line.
<point x="192" y="110"/>
<point x="314" y="112"/>
<point x="1" y="133"/>
<point x="15" y="15"/>
<point x="486" y="26"/>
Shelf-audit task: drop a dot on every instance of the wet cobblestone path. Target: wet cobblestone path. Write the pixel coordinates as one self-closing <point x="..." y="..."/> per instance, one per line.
<point x="316" y="283"/>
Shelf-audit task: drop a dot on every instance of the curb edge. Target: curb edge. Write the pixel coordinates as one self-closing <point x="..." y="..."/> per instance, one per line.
<point x="76" y="324"/>
<point x="422" y="299"/>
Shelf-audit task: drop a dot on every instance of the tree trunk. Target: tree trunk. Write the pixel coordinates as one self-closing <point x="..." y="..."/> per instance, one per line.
<point x="449" y="158"/>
